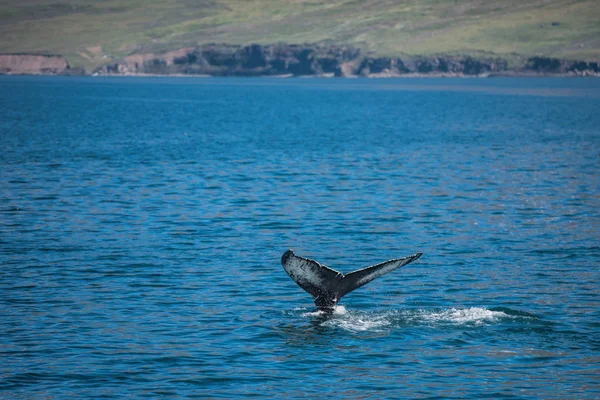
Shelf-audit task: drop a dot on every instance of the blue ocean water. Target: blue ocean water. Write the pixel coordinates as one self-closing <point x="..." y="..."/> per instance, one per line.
<point x="142" y="221"/>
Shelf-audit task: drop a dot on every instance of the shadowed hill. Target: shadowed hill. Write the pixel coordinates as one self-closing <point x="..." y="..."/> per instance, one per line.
<point x="91" y="33"/>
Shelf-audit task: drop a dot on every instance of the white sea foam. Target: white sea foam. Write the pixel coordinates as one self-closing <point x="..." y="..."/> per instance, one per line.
<point x="338" y="310"/>
<point x="357" y="321"/>
<point x="316" y="313"/>
<point x="473" y="315"/>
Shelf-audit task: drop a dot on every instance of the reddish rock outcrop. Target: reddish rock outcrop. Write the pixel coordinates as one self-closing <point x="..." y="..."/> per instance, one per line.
<point x="32" y="64"/>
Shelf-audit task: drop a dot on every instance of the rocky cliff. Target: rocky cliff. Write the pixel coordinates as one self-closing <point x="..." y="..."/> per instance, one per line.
<point x="252" y="60"/>
<point x="318" y="60"/>
<point x="294" y="60"/>
<point x="549" y="66"/>
<point x="27" y="64"/>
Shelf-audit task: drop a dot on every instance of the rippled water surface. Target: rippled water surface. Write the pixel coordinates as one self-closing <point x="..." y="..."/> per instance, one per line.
<point x="142" y="223"/>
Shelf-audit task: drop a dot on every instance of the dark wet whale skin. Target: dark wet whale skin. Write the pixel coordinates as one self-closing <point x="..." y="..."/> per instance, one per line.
<point x="326" y="285"/>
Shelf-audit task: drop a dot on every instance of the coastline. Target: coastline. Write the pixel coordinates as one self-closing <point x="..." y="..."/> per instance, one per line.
<point x="284" y="61"/>
<point x="413" y="76"/>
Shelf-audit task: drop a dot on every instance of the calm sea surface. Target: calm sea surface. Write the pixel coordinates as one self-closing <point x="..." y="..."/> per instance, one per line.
<point x="142" y="221"/>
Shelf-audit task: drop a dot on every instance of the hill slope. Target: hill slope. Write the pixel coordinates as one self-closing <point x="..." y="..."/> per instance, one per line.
<point x="91" y="33"/>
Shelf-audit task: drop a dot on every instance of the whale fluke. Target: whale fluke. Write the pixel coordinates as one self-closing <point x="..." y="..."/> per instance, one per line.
<point x="327" y="286"/>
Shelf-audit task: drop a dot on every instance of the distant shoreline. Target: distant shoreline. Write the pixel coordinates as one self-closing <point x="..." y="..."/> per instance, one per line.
<point x="350" y="77"/>
<point x="414" y="76"/>
<point x="298" y="61"/>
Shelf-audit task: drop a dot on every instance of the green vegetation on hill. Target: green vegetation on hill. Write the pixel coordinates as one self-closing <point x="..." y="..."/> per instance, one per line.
<point x="91" y="33"/>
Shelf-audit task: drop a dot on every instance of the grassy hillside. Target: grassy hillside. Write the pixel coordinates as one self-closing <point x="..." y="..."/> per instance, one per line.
<point x="91" y="32"/>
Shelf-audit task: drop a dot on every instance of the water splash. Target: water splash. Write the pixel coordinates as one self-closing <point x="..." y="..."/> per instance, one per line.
<point x="338" y="310"/>
<point x="466" y="316"/>
<point x="355" y="322"/>
<point x="360" y="321"/>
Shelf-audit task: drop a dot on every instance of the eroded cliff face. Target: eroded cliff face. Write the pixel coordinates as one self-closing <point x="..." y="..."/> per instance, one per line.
<point x="32" y="64"/>
<point x="320" y="60"/>
<point x="435" y="65"/>
<point x="548" y="65"/>
<point x="295" y="60"/>
<point x="253" y="60"/>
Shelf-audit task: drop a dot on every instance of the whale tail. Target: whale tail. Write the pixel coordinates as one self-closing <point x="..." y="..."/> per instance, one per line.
<point x="327" y="286"/>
